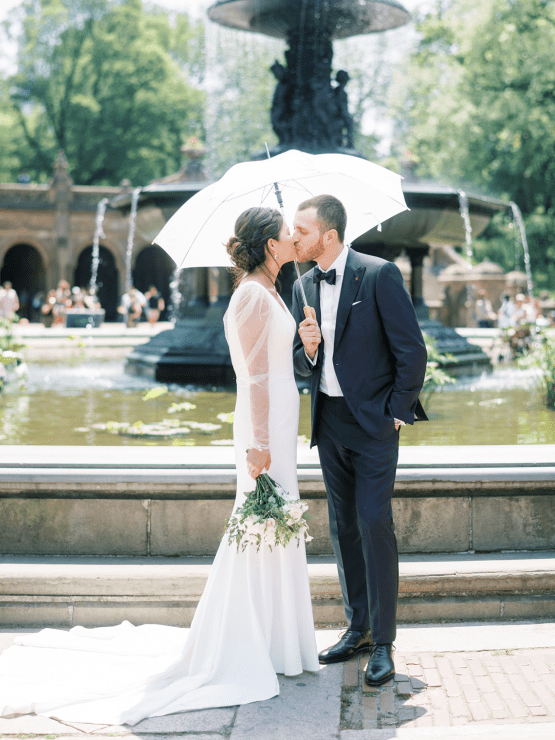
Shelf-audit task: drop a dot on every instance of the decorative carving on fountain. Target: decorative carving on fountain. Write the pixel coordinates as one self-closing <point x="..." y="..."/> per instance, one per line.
<point x="313" y="116"/>
<point x="310" y="111"/>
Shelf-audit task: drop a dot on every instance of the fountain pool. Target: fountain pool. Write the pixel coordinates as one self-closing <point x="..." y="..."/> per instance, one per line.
<point x="71" y="404"/>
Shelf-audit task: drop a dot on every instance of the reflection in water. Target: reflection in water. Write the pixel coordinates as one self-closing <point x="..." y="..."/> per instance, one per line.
<point x="503" y="407"/>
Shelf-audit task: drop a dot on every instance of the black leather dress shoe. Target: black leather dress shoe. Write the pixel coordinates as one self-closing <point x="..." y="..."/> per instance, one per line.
<point x="380" y="666"/>
<point x="351" y="643"/>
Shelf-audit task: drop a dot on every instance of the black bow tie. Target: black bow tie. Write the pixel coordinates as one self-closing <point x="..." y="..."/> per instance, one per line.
<point x="328" y="276"/>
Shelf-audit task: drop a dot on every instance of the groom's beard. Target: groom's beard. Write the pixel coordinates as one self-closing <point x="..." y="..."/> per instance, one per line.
<point x="312" y="253"/>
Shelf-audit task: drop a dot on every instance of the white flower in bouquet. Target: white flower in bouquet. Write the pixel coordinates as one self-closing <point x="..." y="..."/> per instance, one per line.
<point x="267" y="518"/>
<point x="304" y="533"/>
<point x="295" y="510"/>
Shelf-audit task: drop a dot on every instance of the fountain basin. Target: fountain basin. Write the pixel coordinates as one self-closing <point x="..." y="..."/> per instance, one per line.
<point x="273" y="17"/>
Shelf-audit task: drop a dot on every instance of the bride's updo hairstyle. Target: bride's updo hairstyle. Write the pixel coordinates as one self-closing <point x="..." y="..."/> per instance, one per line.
<point x="248" y="249"/>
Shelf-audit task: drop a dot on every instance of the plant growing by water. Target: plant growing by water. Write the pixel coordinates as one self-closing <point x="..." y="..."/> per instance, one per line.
<point x="436" y="377"/>
<point x="542" y="356"/>
<point x="11" y="359"/>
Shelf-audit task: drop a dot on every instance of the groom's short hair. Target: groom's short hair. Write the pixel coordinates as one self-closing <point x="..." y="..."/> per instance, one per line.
<point x="330" y="212"/>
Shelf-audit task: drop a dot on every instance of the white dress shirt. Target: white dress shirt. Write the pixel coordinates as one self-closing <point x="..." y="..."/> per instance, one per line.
<point x="329" y="301"/>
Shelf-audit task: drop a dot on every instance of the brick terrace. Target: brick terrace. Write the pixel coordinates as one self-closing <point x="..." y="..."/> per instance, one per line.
<point x="447" y="689"/>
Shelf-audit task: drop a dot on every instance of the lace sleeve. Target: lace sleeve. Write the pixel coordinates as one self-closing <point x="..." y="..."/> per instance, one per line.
<point x="253" y="326"/>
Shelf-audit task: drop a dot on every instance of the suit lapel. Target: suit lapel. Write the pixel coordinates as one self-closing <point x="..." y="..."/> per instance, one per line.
<point x="352" y="280"/>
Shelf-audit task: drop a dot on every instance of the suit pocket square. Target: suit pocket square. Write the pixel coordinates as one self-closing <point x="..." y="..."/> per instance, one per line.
<point x="356" y="303"/>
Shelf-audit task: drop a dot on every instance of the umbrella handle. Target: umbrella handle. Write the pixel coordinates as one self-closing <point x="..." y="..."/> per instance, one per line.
<point x="305" y="302"/>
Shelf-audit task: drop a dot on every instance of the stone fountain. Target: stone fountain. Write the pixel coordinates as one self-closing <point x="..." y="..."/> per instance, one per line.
<point x="309" y="112"/>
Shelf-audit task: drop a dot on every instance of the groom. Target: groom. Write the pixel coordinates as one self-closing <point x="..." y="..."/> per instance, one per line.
<point x="366" y="357"/>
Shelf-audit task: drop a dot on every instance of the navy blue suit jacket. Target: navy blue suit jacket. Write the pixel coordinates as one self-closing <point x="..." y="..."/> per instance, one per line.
<point x="379" y="353"/>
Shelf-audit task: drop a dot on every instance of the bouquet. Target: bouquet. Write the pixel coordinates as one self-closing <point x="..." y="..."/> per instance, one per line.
<point x="267" y="518"/>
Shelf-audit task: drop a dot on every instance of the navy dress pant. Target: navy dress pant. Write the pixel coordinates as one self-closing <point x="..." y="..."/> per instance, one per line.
<point x="359" y="474"/>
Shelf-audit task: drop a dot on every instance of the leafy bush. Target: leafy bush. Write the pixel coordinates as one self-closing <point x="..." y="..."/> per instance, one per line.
<point x="435" y="377"/>
<point x="542" y="356"/>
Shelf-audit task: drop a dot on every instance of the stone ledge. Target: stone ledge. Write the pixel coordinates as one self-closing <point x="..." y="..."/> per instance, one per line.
<point x="210" y="480"/>
<point x="185" y="577"/>
<point x="411" y="457"/>
<point x="100" y="591"/>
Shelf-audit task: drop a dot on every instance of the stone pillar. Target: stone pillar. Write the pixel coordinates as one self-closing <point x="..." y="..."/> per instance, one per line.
<point x="200" y="289"/>
<point x="225" y="283"/>
<point x="416" y="256"/>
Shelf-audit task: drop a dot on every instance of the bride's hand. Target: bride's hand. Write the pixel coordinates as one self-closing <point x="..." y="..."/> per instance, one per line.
<point x="257" y="461"/>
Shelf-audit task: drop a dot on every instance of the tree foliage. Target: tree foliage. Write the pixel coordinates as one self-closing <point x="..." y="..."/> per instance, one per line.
<point x="475" y="106"/>
<point x="107" y="81"/>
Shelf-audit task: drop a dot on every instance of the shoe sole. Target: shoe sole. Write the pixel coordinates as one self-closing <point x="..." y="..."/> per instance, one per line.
<point x="344" y="660"/>
<point x="381" y="681"/>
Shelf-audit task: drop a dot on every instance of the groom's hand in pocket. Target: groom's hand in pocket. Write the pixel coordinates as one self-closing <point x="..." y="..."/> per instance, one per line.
<point x="257" y="461"/>
<point x="309" y="332"/>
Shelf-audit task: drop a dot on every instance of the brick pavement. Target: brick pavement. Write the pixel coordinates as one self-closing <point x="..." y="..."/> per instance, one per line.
<point x="452" y="688"/>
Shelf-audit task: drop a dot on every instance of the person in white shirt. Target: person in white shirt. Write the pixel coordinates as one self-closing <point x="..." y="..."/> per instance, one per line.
<point x="9" y="302"/>
<point x="505" y="314"/>
<point x="132" y="304"/>
<point x="362" y="347"/>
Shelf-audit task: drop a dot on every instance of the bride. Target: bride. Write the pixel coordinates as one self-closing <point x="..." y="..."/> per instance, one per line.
<point x="254" y="619"/>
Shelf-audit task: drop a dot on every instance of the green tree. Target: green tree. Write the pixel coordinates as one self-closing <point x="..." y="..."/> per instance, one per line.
<point x="475" y="106"/>
<point x="107" y="81"/>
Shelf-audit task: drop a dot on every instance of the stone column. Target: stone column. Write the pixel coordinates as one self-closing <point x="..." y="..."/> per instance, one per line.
<point x="416" y="256"/>
<point x="200" y="289"/>
<point x="225" y="284"/>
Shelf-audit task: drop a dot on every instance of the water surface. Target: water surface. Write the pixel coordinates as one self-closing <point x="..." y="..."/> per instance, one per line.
<point x="62" y="403"/>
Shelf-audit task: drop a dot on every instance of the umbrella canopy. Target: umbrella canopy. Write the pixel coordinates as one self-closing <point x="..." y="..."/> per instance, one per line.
<point x="194" y="236"/>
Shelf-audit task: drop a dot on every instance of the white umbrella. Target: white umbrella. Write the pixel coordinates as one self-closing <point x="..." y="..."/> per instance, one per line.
<point x="195" y="235"/>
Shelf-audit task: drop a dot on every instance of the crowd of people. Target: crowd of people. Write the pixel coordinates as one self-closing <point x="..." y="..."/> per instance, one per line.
<point x="522" y="311"/>
<point x="53" y="311"/>
<point x="520" y="319"/>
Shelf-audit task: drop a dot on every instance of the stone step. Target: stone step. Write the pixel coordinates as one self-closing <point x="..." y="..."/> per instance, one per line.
<point x="96" y="591"/>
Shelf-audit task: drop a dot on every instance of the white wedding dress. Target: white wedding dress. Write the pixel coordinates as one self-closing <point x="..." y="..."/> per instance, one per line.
<point x="255" y="617"/>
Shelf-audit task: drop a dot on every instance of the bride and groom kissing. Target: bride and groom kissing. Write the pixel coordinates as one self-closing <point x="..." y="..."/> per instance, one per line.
<point x="360" y="345"/>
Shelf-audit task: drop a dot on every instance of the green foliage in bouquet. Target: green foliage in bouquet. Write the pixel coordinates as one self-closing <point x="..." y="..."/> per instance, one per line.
<point x="267" y="518"/>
